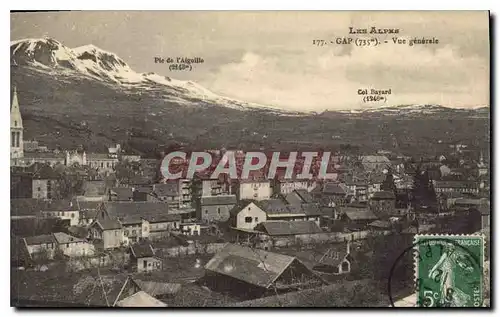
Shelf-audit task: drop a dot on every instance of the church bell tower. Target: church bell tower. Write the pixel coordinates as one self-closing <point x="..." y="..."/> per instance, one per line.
<point x="16" y="128"/>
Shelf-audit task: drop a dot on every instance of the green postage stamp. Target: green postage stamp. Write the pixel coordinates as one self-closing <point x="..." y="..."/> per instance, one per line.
<point x="449" y="270"/>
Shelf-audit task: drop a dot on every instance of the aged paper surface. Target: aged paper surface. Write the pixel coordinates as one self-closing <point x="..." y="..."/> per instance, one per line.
<point x="250" y="159"/>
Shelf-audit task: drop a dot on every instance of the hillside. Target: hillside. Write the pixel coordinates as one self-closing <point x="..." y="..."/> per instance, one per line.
<point x="92" y="97"/>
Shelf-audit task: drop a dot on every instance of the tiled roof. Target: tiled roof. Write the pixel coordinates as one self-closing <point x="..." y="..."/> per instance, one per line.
<point x="140" y="299"/>
<point x="94" y="188"/>
<point x="254" y="266"/>
<point x="122" y="193"/>
<point x="87" y="205"/>
<point x="383" y="195"/>
<point x="170" y="189"/>
<point x="333" y="189"/>
<point x="61" y="205"/>
<point x="455" y="184"/>
<point x="354" y="213"/>
<point x="274" y="206"/>
<point x="333" y="257"/>
<point x="62" y="238"/>
<point x="281" y="228"/>
<point x="163" y="218"/>
<point x="304" y="195"/>
<point x="99" y="157"/>
<point x="142" y="250"/>
<point x="383" y="224"/>
<point x="41" y="239"/>
<point x="158" y="288"/>
<point x="122" y="209"/>
<point x="293" y="198"/>
<point x="218" y="200"/>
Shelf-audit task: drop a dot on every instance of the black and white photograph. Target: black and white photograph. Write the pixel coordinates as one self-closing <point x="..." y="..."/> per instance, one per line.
<point x="179" y="159"/>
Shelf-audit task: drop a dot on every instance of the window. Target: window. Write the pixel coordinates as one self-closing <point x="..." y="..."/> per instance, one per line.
<point x="102" y="164"/>
<point x="218" y="210"/>
<point x="134" y="232"/>
<point x="39" y="188"/>
<point x="72" y="215"/>
<point x="126" y="233"/>
<point x="345" y="266"/>
<point x="149" y="264"/>
<point x="206" y="211"/>
<point x="144" y="263"/>
<point x="67" y="245"/>
<point x="248" y="219"/>
<point x="13" y="139"/>
<point x="15" y="123"/>
<point x="256" y="219"/>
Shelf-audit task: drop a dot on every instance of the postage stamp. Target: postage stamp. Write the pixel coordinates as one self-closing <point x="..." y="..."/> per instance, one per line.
<point x="449" y="270"/>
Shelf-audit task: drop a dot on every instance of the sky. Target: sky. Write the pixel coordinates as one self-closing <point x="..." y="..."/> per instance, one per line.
<point x="268" y="57"/>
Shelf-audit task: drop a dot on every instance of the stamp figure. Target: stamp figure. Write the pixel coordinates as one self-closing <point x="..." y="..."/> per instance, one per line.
<point x="449" y="270"/>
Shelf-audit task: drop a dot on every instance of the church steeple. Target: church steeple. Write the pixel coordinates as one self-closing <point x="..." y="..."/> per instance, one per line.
<point x="16" y="128"/>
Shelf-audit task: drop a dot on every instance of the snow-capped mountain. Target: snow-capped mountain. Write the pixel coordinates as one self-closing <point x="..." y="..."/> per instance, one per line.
<point x="49" y="56"/>
<point x="90" y="62"/>
<point x="411" y="110"/>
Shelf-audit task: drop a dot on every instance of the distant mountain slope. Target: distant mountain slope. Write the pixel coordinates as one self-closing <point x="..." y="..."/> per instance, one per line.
<point x="92" y="97"/>
<point x="51" y="57"/>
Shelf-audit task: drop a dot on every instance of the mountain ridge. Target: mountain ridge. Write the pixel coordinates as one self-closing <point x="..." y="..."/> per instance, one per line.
<point x="52" y="56"/>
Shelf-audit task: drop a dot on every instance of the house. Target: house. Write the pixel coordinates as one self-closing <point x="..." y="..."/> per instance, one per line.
<point x="43" y="246"/>
<point x="135" y="228"/>
<point x="94" y="191"/>
<point x="356" y="217"/>
<point x="375" y="162"/>
<point x="73" y="246"/>
<point x="258" y="189"/>
<point x="335" y="262"/>
<point x="143" y="259"/>
<point x="190" y="229"/>
<point x="210" y="186"/>
<point x="383" y="203"/>
<point x="456" y="186"/>
<point x="168" y="192"/>
<point x="277" y="209"/>
<point x="286" y="186"/>
<point x="63" y="209"/>
<point x="107" y="232"/>
<point x="246" y="215"/>
<point x="288" y="228"/>
<point x="464" y="204"/>
<point x="140" y="299"/>
<point x="252" y="273"/>
<point x="216" y="208"/>
<point x="121" y="194"/>
<point x="380" y="225"/>
<point x="160" y="226"/>
<point x="87" y="211"/>
<point x="45" y="183"/>
<point x="359" y="190"/>
<point x="134" y="216"/>
<point x="330" y="194"/>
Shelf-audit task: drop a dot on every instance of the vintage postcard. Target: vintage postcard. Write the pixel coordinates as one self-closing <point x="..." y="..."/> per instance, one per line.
<point x="250" y="159"/>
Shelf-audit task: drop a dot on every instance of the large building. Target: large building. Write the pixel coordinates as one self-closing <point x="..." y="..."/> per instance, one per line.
<point x="33" y="153"/>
